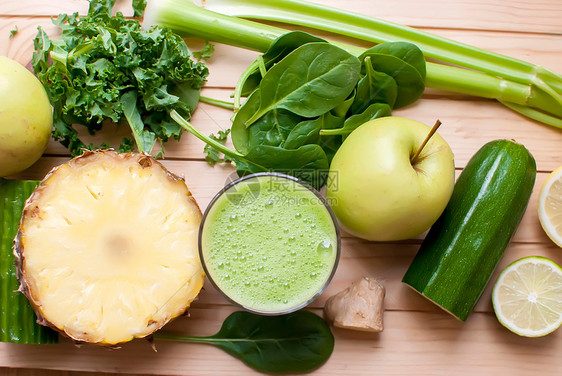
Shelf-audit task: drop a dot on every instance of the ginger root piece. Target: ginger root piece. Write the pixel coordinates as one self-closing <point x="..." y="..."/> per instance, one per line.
<point x="359" y="307"/>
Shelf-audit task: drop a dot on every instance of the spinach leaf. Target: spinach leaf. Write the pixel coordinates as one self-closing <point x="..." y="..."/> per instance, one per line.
<point x="374" y="111"/>
<point x="305" y="132"/>
<point x="293" y="343"/>
<point x="330" y="144"/>
<point x="404" y="62"/>
<point x="342" y="109"/>
<point x="374" y="87"/>
<point x="286" y="44"/>
<point x="272" y="129"/>
<point x="310" y="132"/>
<point x="308" y="98"/>
<point x="240" y="134"/>
<point x="280" y="48"/>
<point x="308" y="162"/>
<point x="309" y="81"/>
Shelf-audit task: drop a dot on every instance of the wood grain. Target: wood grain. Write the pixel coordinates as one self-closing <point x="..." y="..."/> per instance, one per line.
<point x="467" y="125"/>
<point x="413" y="342"/>
<point x="387" y="261"/>
<point x="419" y="338"/>
<point x="536" y="48"/>
<point x="538" y="16"/>
<point x="53" y="8"/>
<point x="43" y="372"/>
<point x="205" y="182"/>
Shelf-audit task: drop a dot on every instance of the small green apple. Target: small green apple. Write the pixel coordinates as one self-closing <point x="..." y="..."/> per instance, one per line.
<point x="26" y="118"/>
<point x="375" y="190"/>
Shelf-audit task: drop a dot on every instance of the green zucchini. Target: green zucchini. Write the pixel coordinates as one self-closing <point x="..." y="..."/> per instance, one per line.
<point x="17" y="319"/>
<point x="462" y="249"/>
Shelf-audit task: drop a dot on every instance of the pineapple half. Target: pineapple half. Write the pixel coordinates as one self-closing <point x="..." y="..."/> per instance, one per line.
<point x="107" y="247"/>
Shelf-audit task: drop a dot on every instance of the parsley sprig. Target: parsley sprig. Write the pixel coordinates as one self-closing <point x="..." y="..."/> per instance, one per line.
<point x="107" y="67"/>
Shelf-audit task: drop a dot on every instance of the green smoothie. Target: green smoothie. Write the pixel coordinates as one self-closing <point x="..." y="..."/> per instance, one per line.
<point x="269" y="244"/>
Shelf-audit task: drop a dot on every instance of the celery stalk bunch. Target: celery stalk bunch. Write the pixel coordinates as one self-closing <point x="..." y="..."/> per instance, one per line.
<point x="531" y="90"/>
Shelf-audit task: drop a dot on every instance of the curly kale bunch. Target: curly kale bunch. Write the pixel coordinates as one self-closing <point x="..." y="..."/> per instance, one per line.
<point x="107" y="67"/>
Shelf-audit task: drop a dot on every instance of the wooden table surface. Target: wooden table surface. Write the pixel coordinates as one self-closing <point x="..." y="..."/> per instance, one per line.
<point x="418" y="337"/>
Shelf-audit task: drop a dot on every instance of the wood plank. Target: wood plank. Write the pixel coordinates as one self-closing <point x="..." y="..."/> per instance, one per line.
<point x="515" y="15"/>
<point x="467" y="125"/>
<point x="43" y="372"/>
<point x="387" y="261"/>
<point x="536" y="48"/>
<point x="53" y="8"/>
<point x="449" y="347"/>
<point x="205" y="181"/>
<point x="419" y="337"/>
<point x="20" y="46"/>
<point x="467" y="121"/>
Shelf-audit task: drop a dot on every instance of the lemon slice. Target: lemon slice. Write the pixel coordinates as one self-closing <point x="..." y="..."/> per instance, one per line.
<point x="527" y="297"/>
<point x="550" y="206"/>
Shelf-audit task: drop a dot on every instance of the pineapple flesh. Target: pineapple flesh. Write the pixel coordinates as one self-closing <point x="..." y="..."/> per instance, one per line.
<point x="107" y="247"/>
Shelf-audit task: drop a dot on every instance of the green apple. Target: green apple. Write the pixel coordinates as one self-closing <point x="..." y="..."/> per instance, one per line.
<point x="26" y="118"/>
<point x="374" y="189"/>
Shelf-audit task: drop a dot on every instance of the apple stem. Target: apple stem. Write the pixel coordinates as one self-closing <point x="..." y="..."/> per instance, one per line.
<point x="413" y="160"/>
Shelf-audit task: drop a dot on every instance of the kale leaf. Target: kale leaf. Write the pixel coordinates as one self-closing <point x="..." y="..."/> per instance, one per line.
<point x="206" y="52"/>
<point x="108" y="67"/>
<point x="213" y="155"/>
<point x="13" y="32"/>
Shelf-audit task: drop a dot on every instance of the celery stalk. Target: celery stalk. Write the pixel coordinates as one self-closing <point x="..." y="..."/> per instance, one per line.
<point x="534" y="114"/>
<point x="188" y="19"/>
<point x="17" y="319"/>
<point x="321" y="17"/>
<point x="513" y="95"/>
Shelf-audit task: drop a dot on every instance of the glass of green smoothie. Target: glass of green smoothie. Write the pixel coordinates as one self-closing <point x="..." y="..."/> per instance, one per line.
<point x="269" y="243"/>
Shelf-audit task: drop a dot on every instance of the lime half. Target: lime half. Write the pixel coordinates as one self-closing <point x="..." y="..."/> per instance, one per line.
<point x="527" y="297"/>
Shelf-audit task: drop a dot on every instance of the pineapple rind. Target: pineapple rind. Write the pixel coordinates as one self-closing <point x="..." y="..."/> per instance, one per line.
<point x="107" y="247"/>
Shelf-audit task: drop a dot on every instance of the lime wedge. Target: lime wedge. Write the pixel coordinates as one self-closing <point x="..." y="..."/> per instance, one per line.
<point x="527" y="297"/>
